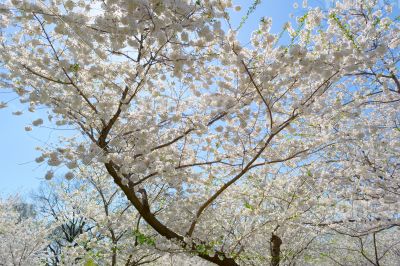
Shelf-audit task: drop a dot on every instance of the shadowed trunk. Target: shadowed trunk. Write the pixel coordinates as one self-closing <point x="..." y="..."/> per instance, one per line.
<point x="275" y="243"/>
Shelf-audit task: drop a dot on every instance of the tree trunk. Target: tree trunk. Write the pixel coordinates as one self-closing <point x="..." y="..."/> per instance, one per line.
<point x="275" y="243"/>
<point x="219" y="258"/>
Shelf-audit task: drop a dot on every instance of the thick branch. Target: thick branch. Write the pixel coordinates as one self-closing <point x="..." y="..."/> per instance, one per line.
<point x="219" y="258"/>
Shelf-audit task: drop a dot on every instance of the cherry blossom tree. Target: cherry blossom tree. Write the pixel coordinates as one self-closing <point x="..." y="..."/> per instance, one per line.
<point x="23" y="238"/>
<point x="93" y="223"/>
<point x="352" y="245"/>
<point x="228" y="151"/>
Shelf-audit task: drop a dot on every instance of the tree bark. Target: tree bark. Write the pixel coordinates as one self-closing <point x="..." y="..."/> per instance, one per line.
<point x="275" y="244"/>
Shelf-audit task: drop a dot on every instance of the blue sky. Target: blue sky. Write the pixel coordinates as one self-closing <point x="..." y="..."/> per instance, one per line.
<point x="19" y="172"/>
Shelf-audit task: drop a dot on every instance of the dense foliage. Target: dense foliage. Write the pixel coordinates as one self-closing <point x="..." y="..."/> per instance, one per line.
<point x="273" y="151"/>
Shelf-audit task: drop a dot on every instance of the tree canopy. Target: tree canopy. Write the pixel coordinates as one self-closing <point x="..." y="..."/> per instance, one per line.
<point x="270" y="151"/>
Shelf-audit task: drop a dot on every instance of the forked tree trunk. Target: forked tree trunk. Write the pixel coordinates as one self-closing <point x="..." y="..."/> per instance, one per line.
<point x="275" y="244"/>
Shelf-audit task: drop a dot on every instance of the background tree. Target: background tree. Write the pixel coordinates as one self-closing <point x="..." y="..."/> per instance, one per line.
<point x="23" y="237"/>
<point x="93" y="222"/>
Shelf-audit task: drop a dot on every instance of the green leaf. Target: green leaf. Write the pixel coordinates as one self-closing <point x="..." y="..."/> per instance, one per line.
<point x="249" y="206"/>
<point x="74" y="68"/>
<point x="201" y="249"/>
<point x="376" y="22"/>
<point x="308" y="258"/>
<point x="142" y="239"/>
<point x="309" y="173"/>
<point x="251" y="9"/>
<point x="90" y="262"/>
<point x="303" y="18"/>
<point x="345" y="29"/>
